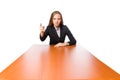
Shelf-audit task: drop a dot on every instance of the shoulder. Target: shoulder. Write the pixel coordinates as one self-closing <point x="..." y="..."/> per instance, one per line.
<point x="64" y="26"/>
<point x="49" y="27"/>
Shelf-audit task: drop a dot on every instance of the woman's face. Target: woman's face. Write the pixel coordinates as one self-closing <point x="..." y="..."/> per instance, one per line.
<point x="56" y="20"/>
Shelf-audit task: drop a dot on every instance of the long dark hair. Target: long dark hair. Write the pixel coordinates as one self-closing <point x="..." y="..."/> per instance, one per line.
<point x="51" y="18"/>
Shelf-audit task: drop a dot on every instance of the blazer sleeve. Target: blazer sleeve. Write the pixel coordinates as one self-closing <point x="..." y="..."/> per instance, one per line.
<point x="70" y="36"/>
<point x="46" y="33"/>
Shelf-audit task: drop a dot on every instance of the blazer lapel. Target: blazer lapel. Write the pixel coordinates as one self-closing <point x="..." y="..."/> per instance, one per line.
<point x="61" y="32"/>
<point x="55" y="33"/>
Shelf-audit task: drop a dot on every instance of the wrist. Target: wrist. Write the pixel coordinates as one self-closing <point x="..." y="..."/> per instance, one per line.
<point x="41" y="34"/>
<point x="66" y="43"/>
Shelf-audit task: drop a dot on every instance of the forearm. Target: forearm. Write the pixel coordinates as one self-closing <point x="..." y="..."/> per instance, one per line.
<point x="72" y="42"/>
<point x="42" y="37"/>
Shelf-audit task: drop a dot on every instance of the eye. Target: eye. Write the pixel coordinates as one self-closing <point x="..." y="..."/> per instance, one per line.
<point x="59" y="18"/>
<point x="54" y="18"/>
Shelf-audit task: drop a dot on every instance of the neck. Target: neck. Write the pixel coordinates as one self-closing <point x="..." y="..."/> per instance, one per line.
<point x="56" y="26"/>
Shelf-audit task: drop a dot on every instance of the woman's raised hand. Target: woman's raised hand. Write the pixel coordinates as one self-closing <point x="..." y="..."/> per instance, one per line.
<point x="41" y="30"/>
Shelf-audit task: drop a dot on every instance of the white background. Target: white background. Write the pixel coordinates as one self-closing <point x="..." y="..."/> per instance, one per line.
<point x="95" y="25"/>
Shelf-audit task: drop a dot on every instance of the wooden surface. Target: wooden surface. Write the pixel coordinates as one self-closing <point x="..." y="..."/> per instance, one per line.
<point x="44" y="62"/>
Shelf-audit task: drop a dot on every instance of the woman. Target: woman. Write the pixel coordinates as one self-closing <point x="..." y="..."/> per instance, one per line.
<point x="57" y="31"/>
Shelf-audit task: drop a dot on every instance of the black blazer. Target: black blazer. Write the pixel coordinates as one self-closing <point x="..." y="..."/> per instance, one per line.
<point x="54" y="38"/>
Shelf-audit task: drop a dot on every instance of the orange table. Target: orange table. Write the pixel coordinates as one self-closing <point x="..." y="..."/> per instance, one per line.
<point x="44" y="62"/>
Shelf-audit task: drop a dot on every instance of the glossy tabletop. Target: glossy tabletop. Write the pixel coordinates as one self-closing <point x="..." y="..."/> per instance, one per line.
<point x="45" y="62"/>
